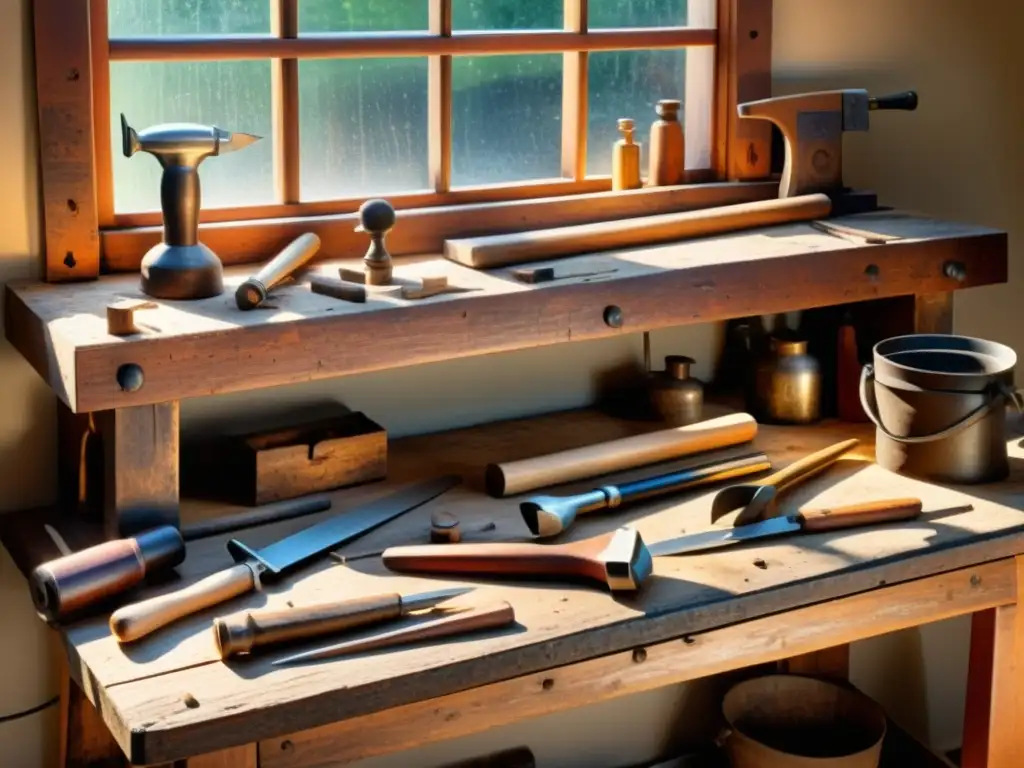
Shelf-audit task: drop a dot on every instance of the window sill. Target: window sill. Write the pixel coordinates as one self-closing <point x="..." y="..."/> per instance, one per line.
<point x="198" y="348"/>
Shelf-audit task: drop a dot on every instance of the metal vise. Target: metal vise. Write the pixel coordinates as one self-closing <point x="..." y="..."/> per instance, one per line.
<point x="812" y="125"/>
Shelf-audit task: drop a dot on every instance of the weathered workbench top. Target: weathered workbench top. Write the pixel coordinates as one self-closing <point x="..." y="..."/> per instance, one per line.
<point x="168" y="696"/>
<point x="195" y="348"/>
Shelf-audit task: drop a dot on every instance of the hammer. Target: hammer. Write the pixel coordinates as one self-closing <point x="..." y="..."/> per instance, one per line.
<point x="619" y="559"/>
<point x="547" y="516"/>
<point x="812" y="125"/>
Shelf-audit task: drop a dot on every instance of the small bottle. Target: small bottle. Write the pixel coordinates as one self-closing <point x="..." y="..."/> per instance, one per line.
<point x="676" y="397"/>
<point x="668" y="147"/>
<point x="788" y="385"/>
<point x="626" y="158"/>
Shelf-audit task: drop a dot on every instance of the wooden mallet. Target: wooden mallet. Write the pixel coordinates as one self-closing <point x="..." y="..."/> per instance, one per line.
<point x="619" y="559"/>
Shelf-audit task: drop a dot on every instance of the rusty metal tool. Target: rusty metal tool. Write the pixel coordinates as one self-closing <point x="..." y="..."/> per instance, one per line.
<point x="619" y="559"/>
<point x="255" y="566"/>
<point x="490" y="616"/>
<point x="810" y="520"/>
<point x="759" y="499"/>
<point x="246" y="631"/>
<point x="547" y="516"/>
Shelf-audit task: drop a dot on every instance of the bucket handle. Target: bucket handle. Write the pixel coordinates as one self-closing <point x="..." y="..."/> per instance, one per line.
<point x="1000" y="391"/>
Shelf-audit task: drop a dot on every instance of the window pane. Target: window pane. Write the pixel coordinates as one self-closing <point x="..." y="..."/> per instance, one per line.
<point x="506" y="118"/>
<point x="637" y="13"/>
<point x="362" y="15"/>
<point x="152" y="18"/>
<point x="506" y="14"/>
<point x="231" y="95"/>
<point x="629" y="84"/>
<point x="363" y="126"/>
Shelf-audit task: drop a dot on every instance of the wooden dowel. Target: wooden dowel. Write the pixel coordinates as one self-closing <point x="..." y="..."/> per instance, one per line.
<point x="516" y="477"/>
<point x="491" y="251"/>
<point x="346" y="46"/>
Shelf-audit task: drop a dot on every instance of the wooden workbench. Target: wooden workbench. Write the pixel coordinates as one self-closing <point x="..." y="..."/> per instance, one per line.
<point x="168" y="697"/>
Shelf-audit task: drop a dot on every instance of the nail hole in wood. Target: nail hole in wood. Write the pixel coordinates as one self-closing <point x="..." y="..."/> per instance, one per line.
<point x="69" y="260"/>
<point x="287" y="746"/>
<point x="759" y="563"/>
<point x="687" y="640"/>
<point x="753" y="34"/>
<point x="639" y="655"/>
<point x="72" y="206"/>
<point x="975" y="580"/>
<point x="872" y="271"/>
<point x="548" y="684"/>
<point x="73" y="75"/>
<point x="190" y="701"/>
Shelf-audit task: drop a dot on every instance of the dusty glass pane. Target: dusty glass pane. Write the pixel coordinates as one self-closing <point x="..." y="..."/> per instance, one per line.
<point x="152" y="18"/>
<point x="637" y="13"/>
<point x="629" y="84"/>
<point x="362" y="15"/>
<point x="362" y="126"/>
<point x="231" y="95"/>
<point x="506" y="118"/>
<point x="506" y="14"/>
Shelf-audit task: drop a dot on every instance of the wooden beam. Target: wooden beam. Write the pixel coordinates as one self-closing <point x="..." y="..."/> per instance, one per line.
<point x="284" y="91"/>
<point x="342" y="46"/>
<point x="749" y="41"/>
<point x="574" y="95"/>
<point x="140" y="446"/>
<point x="100" y="48"/>
<point x="933" y="313"/>
<point x="67" y="147"/>
<point x="700" y="99"/>
<point x="85" y="740"/>
<point x="235" y="757"/>
<point x="439" y="102"/>
<point x="995" y="687"/>
<point x="698" y="655"/>
<point x="832" y="663"/>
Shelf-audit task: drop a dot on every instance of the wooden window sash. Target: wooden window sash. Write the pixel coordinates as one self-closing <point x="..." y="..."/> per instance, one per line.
<point x="728" y="60"/>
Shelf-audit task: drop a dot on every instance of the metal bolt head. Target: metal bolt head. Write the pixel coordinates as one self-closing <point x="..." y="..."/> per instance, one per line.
<point x="955" y="270"/>
<point x="613" y="316"/>
<point x="130" y="377"/>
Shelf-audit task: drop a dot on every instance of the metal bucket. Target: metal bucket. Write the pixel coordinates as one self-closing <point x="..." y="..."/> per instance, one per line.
<point x="939" y="405"/>
<point x="786" y="721"/>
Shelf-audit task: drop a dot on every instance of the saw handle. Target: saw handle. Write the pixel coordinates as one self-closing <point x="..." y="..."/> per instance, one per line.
<point x="139" y="619"/>
<point x="808" y="466"/>
<point x="868" y="513"/>
<point x="245" y="631"/>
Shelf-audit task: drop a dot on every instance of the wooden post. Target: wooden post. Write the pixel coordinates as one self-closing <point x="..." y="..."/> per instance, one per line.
<point x="995" y="687"/>
<point x="746" y="31"/>
<point x="140" y="446"/>
<point x="933" y="313"/>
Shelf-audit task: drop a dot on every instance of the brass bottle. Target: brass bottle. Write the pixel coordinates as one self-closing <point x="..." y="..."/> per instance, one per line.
<point x="788" y="385"/>
<point x="668" y="147"/>
<point x="676" y="398"/>
<point x="626" y="158"/>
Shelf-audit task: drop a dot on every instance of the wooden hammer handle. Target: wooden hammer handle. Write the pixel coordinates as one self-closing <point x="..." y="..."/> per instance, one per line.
<point x="490" y="558"/>
<point x="868" y="513"/>
<point x="808" y="466"/>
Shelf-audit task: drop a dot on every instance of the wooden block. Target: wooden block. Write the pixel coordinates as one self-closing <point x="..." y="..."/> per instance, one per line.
<point x="121" y="316"/>
<point x="429" y="286"/>
<point x="337" y="289"/>
<point x="352" y="275"/>
<point x="313" y="455"/>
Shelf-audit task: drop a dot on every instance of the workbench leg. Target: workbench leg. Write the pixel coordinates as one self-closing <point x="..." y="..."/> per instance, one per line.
<point x="85" y="740"/>
<point x="933" y="313"/>
<point x="140" y="446"/>
<point x="994" y="715"/>
<point x="830" y="663"/>
<point x="235" y="757"/>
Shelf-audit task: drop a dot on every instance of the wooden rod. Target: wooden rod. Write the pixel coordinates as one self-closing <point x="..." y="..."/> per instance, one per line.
<point x="340" y="46"/>
<point x="574" y="95"/>
<point x="439" y="101"/>
<point x="284" y="89"/>
<point x="99" y="51"/>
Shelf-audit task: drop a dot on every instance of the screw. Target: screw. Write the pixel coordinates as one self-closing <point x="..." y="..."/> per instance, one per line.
<point x="613" y="316"/>
<point x="130" y="377"/>
<point x="975" y="580"/>
<point x="639" y="656"/>
<point x="872" y="271"/>
<point x="955" y="270"/>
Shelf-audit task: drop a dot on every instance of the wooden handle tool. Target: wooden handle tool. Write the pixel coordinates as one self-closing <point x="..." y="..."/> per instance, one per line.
<point x="619" y="560"/>
<point x="615" y="455"/>
<point x="494" y="251"/>
<point x="295" y="255"/>
<point x="852" y="515"/>
<point x="758" y="500"/>
<point x="491" y="616"/>
<point x="139" y="619"/>
<point x="246" y="631"/>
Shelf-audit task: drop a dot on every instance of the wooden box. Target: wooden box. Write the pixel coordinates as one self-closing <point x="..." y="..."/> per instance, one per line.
<point x="307" y="456"/>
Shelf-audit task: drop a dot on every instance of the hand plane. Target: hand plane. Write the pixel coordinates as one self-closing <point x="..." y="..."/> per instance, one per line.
<point x="812" y="125"/>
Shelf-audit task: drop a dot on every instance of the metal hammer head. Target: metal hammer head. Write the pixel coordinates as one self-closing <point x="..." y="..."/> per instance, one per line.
<point x="187" y="142"/>
<point x="626" y="560"/>
<point x="547" y="516"/>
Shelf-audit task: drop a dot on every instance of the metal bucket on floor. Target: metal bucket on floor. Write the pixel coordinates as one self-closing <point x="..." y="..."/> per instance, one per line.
<point x="787" y="721"/>
<point x="939" y="406"/>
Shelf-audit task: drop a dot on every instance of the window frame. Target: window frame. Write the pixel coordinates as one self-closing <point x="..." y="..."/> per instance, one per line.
<point x="85" y="238"/>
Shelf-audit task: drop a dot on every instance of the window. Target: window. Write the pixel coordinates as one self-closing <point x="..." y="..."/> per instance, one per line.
<point x="424" y="102"/>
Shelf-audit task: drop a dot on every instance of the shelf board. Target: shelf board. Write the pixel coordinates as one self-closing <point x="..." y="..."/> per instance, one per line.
<point x="197" y="348"/>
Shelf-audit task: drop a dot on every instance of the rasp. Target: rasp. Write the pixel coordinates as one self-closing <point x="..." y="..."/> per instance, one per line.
<point x="810" y="520"/>
<point x="255" y="566"/>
